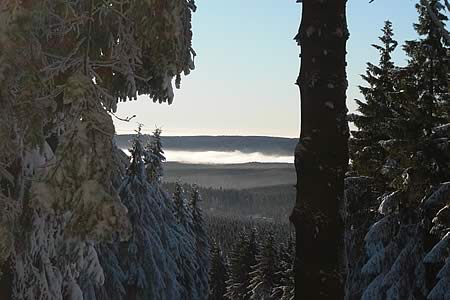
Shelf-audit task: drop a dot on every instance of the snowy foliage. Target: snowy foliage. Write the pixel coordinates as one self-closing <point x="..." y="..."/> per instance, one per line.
<point x="242" y="259"/>
<point x="284" y="285"/>
<point x="359" y="213"/>
<point x="181" y="208"/>
<point x="263" y="274"/>
<point x="273" y="265"/>
<point x="155" y="157"/>
<point x="159" y="260"/>
<point x="194" y="250"/>
<point x="202" y="249"/>
<point x="64" y="65"/>
<point x="396" y="263"/>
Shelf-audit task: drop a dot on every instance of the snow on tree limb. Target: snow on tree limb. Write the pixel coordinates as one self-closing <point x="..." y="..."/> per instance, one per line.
<point x="64" y="65"/>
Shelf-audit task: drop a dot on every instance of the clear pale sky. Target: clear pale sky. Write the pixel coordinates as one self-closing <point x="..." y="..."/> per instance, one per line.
<point x="247" y="63"/>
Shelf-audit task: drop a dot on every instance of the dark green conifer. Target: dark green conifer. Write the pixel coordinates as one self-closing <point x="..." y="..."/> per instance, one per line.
<point x="242" y="258"/>
<point x="218" y="274"/>
<point x="202" y="250"/>
<point x="377" y="112"/>
<point x="179" y="201"/>
<point x="428" y="66"/>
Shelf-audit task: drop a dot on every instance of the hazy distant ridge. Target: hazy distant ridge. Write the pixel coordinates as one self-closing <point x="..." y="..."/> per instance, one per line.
<point x="247" y="144"/>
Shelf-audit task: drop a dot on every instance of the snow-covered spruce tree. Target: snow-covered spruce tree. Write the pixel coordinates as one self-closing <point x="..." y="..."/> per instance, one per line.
<point x="182" y="212"/>
<point x="399" y="264"/>
<point x="437" y="260"/>
<point x="71" y="203"/>
<point x="148" y="265"/>
<point x="284" y="287"/>
<point x="114" y="286"/>
<point x="375" y="121"/>
<point x="201" y="242"/>
<point x="63" y="67"/>
<point x="424" y="155"/>
<point x="264" y="272"/>
<point x="218" y="274"/>
<point x="156" y="157"/>
<point x="159" y="261"/>
<point x="397" y="245"/>
<point x="187" y="262"/>
<point x="360" y="212"/>
<point x="321" y="156"/>
<point x="242" y="258"/>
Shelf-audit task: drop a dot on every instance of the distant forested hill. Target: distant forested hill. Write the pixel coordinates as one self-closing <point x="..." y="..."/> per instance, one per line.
<point x="231" y="176"/>
<point x="246" y="144"/>
<point x="272" y="203"/>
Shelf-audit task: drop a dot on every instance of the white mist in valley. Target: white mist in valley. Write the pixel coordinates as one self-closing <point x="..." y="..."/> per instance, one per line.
<point x="222" y="157"/>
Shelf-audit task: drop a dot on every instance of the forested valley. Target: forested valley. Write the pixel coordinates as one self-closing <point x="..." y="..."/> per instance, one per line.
<point x="80" y="219"/>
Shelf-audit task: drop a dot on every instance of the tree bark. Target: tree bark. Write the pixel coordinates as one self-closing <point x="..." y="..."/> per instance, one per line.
<point x="321" y="156"/>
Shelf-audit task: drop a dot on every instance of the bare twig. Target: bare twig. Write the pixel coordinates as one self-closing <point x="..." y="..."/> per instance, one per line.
<point x="127" y="119"/>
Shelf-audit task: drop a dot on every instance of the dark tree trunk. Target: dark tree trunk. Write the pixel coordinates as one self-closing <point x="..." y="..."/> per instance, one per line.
<point x="6" y="279"/>
<point x="321" y="156"/>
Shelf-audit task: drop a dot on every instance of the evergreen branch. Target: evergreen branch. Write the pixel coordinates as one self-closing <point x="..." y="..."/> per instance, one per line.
<point x="436" y="21"/>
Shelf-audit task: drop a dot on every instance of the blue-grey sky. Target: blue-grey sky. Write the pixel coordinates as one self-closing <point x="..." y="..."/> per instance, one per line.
<point x="247" y="63"/>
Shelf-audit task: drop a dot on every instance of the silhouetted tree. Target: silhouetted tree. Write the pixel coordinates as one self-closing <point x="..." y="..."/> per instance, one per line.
<point x="428" y="66"/>
<point x="321" y="156"/>
<point x="375" y="121"/>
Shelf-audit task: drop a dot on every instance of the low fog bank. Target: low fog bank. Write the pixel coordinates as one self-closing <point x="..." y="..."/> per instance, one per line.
<point x="222" y="157"/>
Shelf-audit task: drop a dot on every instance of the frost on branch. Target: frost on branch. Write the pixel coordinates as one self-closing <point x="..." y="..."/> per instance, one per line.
<point x="160" y="259"/>
<point x="78" y="183"/>
<point x="72" y="202"/>
<point x="63" y="66"/>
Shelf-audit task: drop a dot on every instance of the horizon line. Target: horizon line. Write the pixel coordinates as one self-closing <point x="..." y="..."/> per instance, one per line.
<point x="212" y="135"/>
